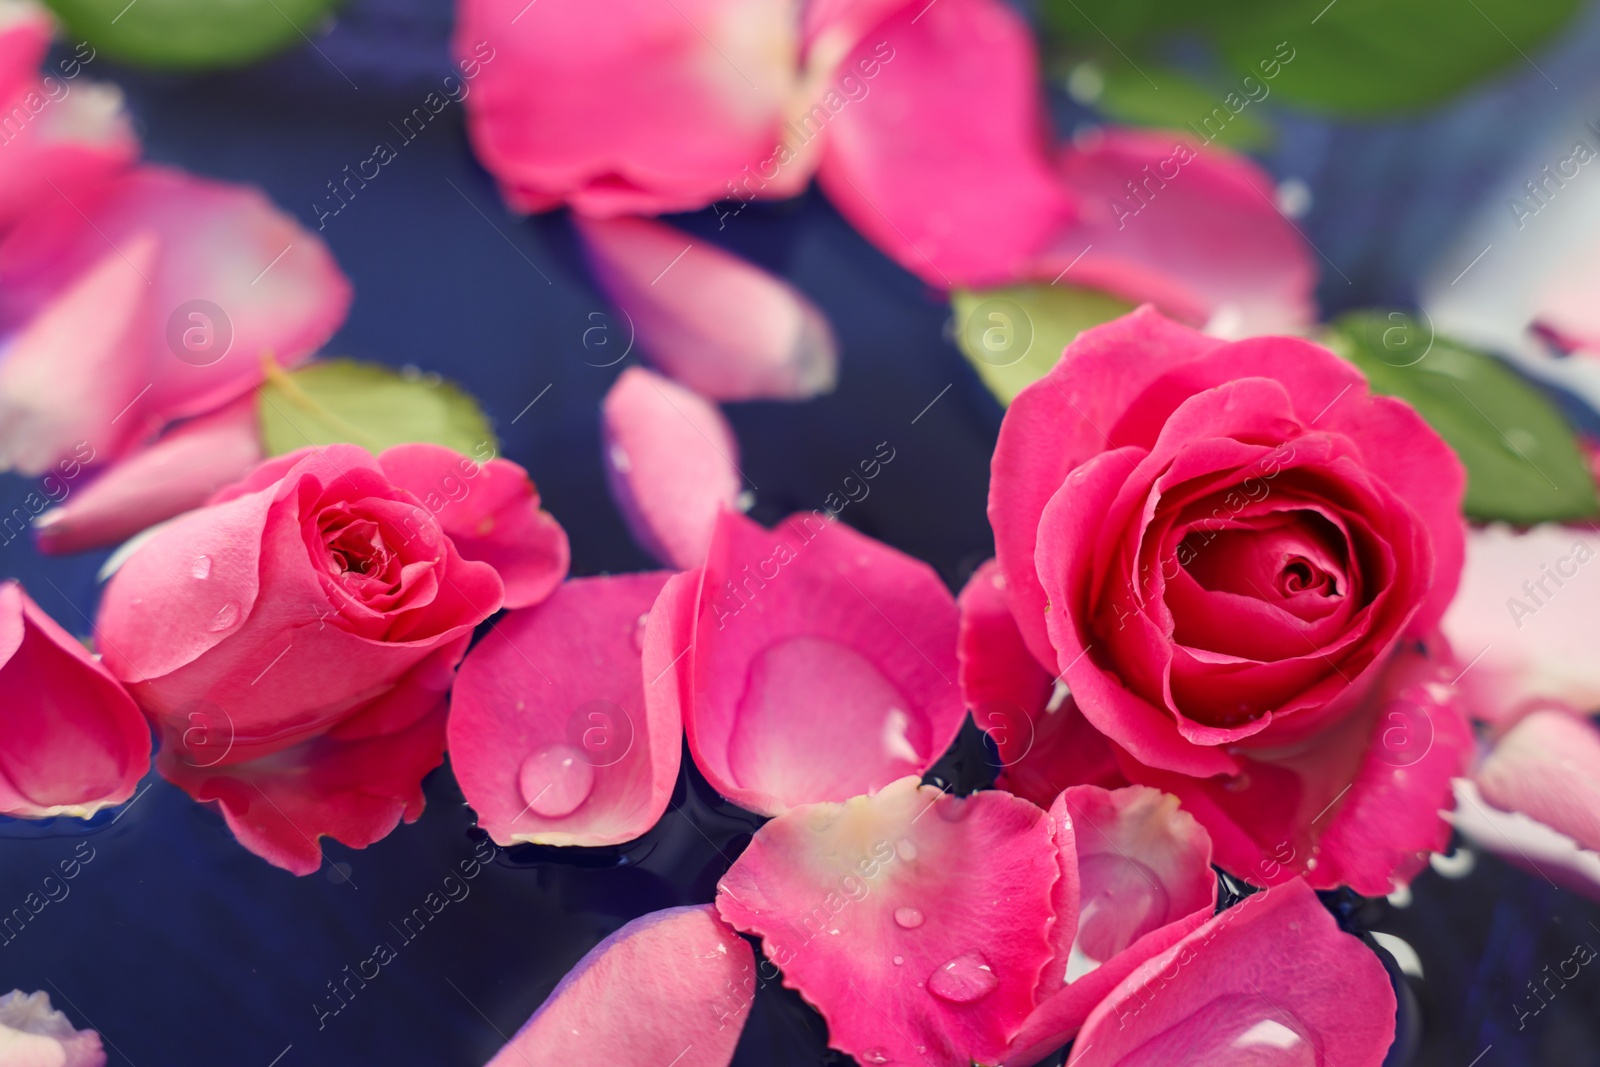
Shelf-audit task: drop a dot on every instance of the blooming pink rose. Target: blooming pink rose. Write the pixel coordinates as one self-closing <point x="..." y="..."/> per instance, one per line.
<point x="33" y="1034"/>
<point x="1218" y="549"/>
<point x="293" y="640"/>
<point x="75" y="742"/>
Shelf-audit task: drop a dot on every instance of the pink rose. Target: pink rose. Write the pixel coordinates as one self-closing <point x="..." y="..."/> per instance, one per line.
<point x="293" y="640"/>
<point x="1218" y="549"/>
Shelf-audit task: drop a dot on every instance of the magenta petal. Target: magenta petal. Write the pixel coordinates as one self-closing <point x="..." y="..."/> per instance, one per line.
<point x="822" y="664"/>
<point x="551" y="737"/>
<point x="1269" y="981"/>
<point x="71" y="143"/>
<point x="25" y="32"/>
<point x="177" y="472"/>
<point x="943" y="163"/>
<point x="919" y="934"/>
<point x="672" y="464"/>
<point x="75" y="741"/>
<point x="671" y="987"/>
<point x="33" y="1034"/>
<point x="490" y="509"/>
<point x="1547" y="766"/>
<point x="720" y="325"/>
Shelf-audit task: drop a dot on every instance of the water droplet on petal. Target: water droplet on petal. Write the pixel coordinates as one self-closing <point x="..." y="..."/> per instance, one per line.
<point x="225" y="617"/>
<point x="964" y="979"/>
<point x="200" y="569"/>
<point x="555" y="780"/>
<point x="906" y="849"/>
<point x="873" y="1055"/>
<point x="908" y="918"/>
<point x="898" y="960"/>
<point x="638" y="633"/>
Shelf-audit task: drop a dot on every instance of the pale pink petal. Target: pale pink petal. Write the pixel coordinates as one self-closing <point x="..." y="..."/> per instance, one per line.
<point x="1525" y="842"/>
<point x="550" y="734"/>
<point x="74" y="740"/>
<point x="1567" y="309"/>
<point x="33" y="1034"/>
<point x="720" y="325"/>
<point x="671" y="987"/>
<point x="1271" y="982"/>
<point x="943" y="162"/>
<point x="637" y="106"/>
<point x="75" y="135"/>
<point x="1199" y="235"/>
<point x="1525" y="620"/>
<point x="916" y="922"/>
<point x="233" y="280"/>
<point x="672" y="464"/>
<point x="490" y="508"/>
<point x="177" y="472"/>
<point x="823" y="664"/>
<point x="1547" y="766"/>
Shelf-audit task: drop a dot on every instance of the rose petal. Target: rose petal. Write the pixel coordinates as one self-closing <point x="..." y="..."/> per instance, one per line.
<point x="174" y="474"/>
<point x="943" y="163"/>
<point x="33" y="1034"/>
<point x="671" y="987"/>
<point x="822" y="664"/>
<point x="1269" y="981"/>
<point x="25" y="32"/>
<point x="639" y="108"/>
<point x="66" y="143"/>
<point x="1524" y="842"/>
<point x="720" y="325"/>
<point x="352" y="789"/>
<point x="75" y="741"/>
<point x="550" y="734"/>
<point x="918" y="933"/>
<point x="272" y="287"/>
<point x="1525" y="620"/>
<point x="1547" y="766"/>
<point x="490" y="509"/>
<point x="672" y="464"/>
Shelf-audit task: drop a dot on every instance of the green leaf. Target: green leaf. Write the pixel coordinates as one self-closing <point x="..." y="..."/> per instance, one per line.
<point x="1155" y="95"/>
<point x="342" y="400"/>
<point x="1523" y="461"/>
<point x="191" y="34"/>
<point x="1370" y="56"/>
<point x="1012" y="336"/>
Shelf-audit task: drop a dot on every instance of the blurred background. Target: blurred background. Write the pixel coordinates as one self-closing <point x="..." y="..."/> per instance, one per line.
<point x="182" y="948"/>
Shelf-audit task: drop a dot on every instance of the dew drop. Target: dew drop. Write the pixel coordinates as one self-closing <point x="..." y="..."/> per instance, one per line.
<point x="555" y="780"/>
<point x="200" y="569"/>
<point x="964" y="979"/>
<point x="898" y="960"/>
<point x="638" y="633"/>
<point x="906" y="849"/>
<point x="873" y="1055"/>
<point x="907" y="918"/>
<point x="225" y="617"/>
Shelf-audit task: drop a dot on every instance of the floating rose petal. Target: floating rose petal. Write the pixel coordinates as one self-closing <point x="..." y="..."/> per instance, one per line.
<point x="821" y="664"/>
<point x="33" y="1034"/>
<point x="1547" y="766"/>
<point x="1270" y="982"/>
<point x="720" y="325"/>
<point x="671" y="987"/>
<point x="75" y="741"/>
<point x="1524" y="842"/>
<point x="25" y="31"/>
<point x="67" y="143"/>
<point x="638" y="107"/>
<point x="672" y="464"/>
<point x="490" y="509"/>
<point x="830" y="889"/>
<point x="177" y="472"/>
<point x="551" y="737"/>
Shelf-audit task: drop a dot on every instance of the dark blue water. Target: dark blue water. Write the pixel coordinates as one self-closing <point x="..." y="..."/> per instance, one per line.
<point x="183" y="949"/>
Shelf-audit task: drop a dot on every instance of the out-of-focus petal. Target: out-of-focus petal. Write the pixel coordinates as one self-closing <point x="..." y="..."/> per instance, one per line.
<point x="1547" y="766"/>
<point x="1525" y="842"/>
<point x="634" y="107"/>
<point x="490" y="508"/>
<point x="75" y="135"/>
<point x="232" y="279"/>
<point x="33" y="1034"/>
<point x="720" y="325"/>
<point x="75" y="742"/>
<point x="672" y="464"/>
<point x="671" y="987"/>
<point x="1269" y="981"/>
<point x="550" y="734"/>
<point x="916" y="922"/>
<point x="25" y="30"/>
<point x="1525" y="620"/>
<point x="177" y="472"/>
<point x="1191" y="229"/>
<point x="822" y="666"/>
<point x="942" y="163"/>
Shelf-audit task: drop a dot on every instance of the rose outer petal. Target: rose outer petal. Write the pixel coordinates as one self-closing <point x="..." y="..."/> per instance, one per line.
<point x="822" y="664"/>
<point x="1547" y="766"/>
<point x="75" y="741"/>
<point x="1270" y="980"/>
<point x="671" y="463"/>
<point x="916" y="922"/>
<point x="671" y="987"/>
<point x="551" y="737"/>
<point x="33" y="1034"/>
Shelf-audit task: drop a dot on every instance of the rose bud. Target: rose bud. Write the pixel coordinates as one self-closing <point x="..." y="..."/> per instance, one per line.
<point x="294" y="639"/>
